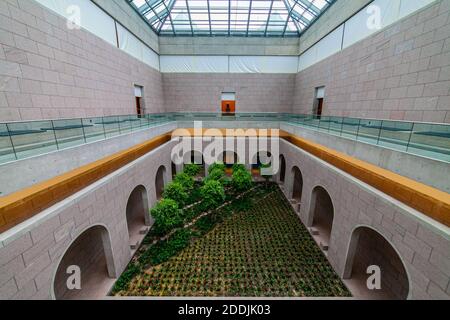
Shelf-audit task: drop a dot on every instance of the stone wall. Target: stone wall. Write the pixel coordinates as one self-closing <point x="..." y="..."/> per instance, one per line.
<point x="184" y="92"/>
<point x="48" y="71"/>
<point x="399" y="73"/>
<point x="30" y="253"/>
<point x="423" y="245"/>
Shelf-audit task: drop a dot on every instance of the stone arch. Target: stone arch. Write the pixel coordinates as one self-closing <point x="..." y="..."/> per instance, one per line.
<point x="91" y="251"/>
<point x="160" y="181"/>
<point x="321" y="214"/>
<point x="368" y="247"/>
<point x="137" y="213"/>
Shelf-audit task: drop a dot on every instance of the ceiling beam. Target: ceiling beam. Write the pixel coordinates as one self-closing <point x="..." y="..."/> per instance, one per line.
<point x="249" y="15"/>
<point x="268" y="18"/>
<point x="290" y="10"/>
<point x="209" y="18"/>
<point x="190" y="19"/>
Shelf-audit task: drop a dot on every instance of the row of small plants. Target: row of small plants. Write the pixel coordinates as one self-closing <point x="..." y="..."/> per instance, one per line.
<point x="185" y="199"/>
<point x="255" y="246"/>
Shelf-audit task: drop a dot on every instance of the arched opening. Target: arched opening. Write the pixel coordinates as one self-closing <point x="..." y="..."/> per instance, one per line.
<point x="174" y="170"/>
<point x="369" y="248"/>
<point x="282" y="169"/>
<point x="160" y="182"/>
<point x="137" y="212"/>
<point x="297" y="187"/>
<point x="322" y="215"/>
<point x="91" y="252"/>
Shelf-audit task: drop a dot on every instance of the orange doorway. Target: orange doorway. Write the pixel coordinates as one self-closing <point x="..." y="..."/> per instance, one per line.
<point x="228" y="103"/>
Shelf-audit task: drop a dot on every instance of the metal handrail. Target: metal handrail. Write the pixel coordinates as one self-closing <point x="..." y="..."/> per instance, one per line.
<point x="22" y="139"/>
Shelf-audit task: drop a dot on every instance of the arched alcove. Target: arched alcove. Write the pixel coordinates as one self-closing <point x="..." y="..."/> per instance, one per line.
<point x="174" y="170"/>
<point x="160" y="181"/>
<point x="137" y="213"/>
<point x="322" y="214"/>
<point x="91" y="252"/>
<point x="297" y="184"/>
<point x="369" y="248"/>
<point x="282" y="174"/>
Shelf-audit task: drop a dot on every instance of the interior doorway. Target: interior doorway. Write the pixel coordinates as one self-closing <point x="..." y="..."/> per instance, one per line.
<point x="138" y="93"/>
<point x="318" y="102"/>
<point x="228" y="103"/>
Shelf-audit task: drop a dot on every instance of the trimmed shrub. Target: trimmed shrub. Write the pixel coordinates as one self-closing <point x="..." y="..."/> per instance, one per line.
<point x="176" y="191"/>
<point x="185" y="180"/>
<point x="192" y="169"/>
<point x="213" y="194"/>
<point x="215" y="175"/>
<point x="238" y="166"/>
<point x="241" y="180"/>
<point x="216" y="165"/>
<point x="167" y="215"/>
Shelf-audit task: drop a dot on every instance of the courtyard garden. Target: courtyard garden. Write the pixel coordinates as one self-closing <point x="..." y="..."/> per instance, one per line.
<point x="227" y="236"/>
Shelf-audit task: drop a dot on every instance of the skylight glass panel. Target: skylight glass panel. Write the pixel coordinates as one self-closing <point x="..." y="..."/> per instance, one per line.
<point x="230" y="17"/>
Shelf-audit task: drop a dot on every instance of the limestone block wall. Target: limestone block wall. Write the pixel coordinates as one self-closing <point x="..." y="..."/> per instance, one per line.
<point x="30" y="252"/>
<point x="201" y="92"/>
<point x="400" y="73"/>
<point x="422" y="244"/>
<point x="48" y="71"/>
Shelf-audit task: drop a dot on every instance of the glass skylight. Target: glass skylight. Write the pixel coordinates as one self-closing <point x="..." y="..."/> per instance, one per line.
<point x="263" y="18"/>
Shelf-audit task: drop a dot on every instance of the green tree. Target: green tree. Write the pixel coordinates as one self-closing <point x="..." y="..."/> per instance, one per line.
<point x="192" y="169"/>
<point x="212" y="193"/>
<point x="185" y="180"/>
<point x="241" y="180"/>
<point x="167" y="215"/>
<point x="176" y="191"/>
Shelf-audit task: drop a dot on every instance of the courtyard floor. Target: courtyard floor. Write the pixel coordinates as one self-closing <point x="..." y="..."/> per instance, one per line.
<point x="256" y="247"/>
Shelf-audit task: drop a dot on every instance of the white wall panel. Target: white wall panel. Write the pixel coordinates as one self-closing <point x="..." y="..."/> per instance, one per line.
<point x="308" y="58"/>
<point x="136" y="48"/>
<point x="194" y="64"/>
<point x="91" y="17"/>
<point x="358" y="28"/>
<point x="409" y="6"/>
<point x="263" y="64"/>
<point x="331" y="44"/>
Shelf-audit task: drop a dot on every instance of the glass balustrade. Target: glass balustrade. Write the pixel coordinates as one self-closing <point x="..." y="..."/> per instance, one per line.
<point x="20" y="140"/>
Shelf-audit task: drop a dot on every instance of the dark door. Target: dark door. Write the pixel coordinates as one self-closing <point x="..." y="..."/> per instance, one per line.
<point x="138" y="107"/>
<point x="319" y="107"/>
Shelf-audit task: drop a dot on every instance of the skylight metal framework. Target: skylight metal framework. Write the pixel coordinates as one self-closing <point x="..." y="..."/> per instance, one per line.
<point x="244" y="18"/>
